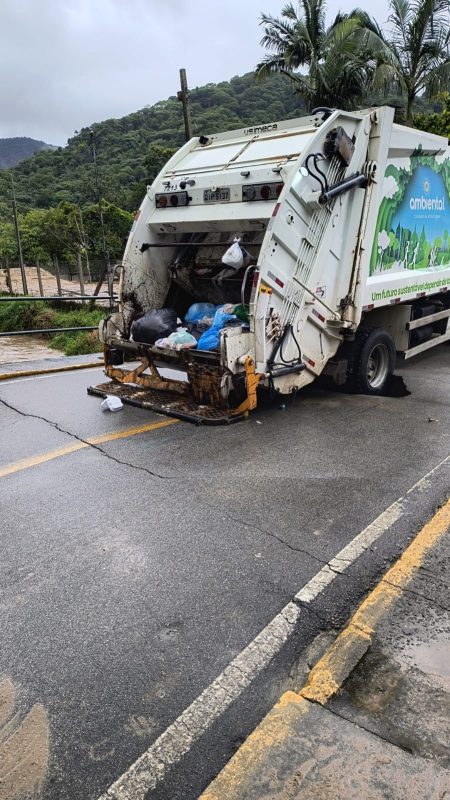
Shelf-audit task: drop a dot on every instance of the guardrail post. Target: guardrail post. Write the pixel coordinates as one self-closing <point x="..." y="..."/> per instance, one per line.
<point x="8" y="275"/>
<point x="39" y="277"/>
<point x="57" y="274"/>
<point x="80" y="274"/>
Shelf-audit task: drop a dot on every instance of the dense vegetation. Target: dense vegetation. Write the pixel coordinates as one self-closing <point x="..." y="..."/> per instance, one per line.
<point x="18" y="316"/>
<point x="17" y="148"/>
<point x="353" y="56"/>
<point x="438" y="123"/>
<point x="67" y="174"/>
<point x="66" y="231"/>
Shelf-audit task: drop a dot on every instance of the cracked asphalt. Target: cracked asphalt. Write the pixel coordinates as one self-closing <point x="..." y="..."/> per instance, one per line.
<point x="132" y="573"/>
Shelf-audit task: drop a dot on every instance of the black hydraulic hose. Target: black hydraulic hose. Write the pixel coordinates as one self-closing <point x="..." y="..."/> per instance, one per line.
<point x="279" y="349"/>
<point x="294" y="360"/>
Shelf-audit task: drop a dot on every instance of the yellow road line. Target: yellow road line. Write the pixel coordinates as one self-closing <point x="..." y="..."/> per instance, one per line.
<point x="26" y="373"/>
<point x="325" y="678"/>
<point x="34" y="461"/>
<point x="328" y="675"/>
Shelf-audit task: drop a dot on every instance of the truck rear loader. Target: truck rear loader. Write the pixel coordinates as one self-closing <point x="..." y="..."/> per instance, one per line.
<point x="345" y="220"/>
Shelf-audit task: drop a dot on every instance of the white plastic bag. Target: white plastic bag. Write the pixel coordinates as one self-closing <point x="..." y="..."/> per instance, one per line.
<point x="111" y="403"/>
<point x="234" y="256"/>
<point x="178" y="340"/>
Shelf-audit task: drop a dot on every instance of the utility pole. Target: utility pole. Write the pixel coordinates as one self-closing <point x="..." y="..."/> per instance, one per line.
<point x="19" y="244"/>
<point x="106" y="268"/>
<point x="183" y="97"/>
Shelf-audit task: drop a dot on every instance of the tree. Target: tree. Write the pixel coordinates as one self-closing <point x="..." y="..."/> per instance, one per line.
<point x="436" y="123"/>
<point x="66" y="175"/>
<point x="337" y="57"/>
<point x="157" y="156"/>
<point x="415" y="57"/>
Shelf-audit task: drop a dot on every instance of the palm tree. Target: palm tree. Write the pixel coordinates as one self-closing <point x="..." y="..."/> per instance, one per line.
<point x="415" y="57"/>
<point x="337" y="58"/>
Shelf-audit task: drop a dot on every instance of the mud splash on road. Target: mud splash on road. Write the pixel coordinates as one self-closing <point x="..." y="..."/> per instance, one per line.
<point x="395" y="387"/>
<point x="24" y="745"/>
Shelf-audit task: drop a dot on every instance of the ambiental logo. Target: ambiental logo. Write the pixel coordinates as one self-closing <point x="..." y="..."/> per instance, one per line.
<point x="427" y="203"/>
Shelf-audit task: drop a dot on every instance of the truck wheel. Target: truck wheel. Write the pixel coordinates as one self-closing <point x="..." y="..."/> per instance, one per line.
<point x="374" y="360"/>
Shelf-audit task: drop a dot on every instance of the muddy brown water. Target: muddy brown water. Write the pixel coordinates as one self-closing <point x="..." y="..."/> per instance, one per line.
<point x="15" y="349"/>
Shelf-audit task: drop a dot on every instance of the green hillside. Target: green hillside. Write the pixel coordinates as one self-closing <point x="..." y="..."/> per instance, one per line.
<point x="17" y="148"/>
<point x="66" y="174"/>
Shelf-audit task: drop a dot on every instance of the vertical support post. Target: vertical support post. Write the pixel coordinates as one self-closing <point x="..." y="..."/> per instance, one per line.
<point x="19" y="243"/>
<point x="57" y="274"/>
<point x="80" y="274"/>
<point x="183" y="97"/>
<point x="39" y="277"/>
<point x="106" y="272"/>
<point x="88" y="268"/>
<point x="8" y="276"/>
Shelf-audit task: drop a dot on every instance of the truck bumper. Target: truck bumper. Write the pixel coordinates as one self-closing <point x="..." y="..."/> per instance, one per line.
<point x="210" y="394"/>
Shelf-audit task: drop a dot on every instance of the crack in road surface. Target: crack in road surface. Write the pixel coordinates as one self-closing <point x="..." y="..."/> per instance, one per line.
<point x="245" y="523"/>
<point x="85" y="441"/>
<point x="330" y="565"/>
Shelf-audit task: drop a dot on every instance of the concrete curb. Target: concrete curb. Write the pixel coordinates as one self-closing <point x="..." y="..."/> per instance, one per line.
<point x="254" y="758"/>
<point x="30" y="373"/>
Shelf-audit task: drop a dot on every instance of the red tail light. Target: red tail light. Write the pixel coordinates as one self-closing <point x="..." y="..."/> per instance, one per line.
<point x="262" y="191"/>
<point x="173" y="198"/>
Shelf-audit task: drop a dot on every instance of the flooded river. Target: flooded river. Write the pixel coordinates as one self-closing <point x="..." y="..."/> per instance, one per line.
<point x="25" y="348"/>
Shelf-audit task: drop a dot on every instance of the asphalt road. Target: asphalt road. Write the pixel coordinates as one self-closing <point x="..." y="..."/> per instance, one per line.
<point x="134" y="571"/>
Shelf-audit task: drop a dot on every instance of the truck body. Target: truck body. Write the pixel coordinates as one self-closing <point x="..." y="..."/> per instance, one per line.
<point x="345" y="219"/>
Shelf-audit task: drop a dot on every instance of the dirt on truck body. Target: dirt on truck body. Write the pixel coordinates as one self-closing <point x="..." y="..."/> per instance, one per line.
<point x="340" y="218"/>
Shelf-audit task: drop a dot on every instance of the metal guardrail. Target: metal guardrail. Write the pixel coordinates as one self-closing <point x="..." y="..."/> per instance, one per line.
<point x="18" y="298"/>
<point x="38" y="331"/>
<point x="111" y="299"/>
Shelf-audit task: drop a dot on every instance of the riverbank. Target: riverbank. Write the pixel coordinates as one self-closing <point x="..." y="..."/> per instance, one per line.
<point x="18" y="316"/>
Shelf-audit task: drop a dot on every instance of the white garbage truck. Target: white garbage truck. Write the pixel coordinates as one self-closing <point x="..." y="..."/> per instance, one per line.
<point x="343" y="220"/>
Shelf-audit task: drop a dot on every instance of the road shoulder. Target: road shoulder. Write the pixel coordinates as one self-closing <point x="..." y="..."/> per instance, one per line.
<point x="350" y="730"/>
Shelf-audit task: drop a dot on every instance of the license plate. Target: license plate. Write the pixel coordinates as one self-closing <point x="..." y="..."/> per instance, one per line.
<point x="216" y="195"/>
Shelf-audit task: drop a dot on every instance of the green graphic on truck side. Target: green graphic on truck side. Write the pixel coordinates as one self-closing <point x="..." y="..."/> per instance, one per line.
<point x="413" y="225"/>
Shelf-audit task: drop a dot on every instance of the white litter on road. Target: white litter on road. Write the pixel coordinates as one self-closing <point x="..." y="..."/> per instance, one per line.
<point x="111" y="403"/>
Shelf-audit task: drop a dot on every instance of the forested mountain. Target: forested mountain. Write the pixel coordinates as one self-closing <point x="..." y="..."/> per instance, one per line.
<point x="67" y="174"/>
<point x="17" y="148"/>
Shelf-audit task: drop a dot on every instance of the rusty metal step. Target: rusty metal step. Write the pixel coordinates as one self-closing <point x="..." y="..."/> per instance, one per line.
<point x="169" y="403"/>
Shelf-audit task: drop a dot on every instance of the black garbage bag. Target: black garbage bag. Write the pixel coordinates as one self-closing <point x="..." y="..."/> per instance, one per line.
<point x="155" y="324"/>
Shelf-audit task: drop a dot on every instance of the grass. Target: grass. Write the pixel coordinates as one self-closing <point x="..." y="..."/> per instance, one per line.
<point x="20" y="316"/>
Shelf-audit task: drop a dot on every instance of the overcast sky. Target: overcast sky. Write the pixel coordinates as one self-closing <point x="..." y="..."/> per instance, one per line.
<point x="67" y="63"/>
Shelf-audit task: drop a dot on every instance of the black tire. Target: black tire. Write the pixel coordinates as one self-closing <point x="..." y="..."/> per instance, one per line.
<point x="374" y="361"/>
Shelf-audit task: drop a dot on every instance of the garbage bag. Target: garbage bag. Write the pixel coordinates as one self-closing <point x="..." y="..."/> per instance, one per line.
<point x="211" y="338"/>
<point x="178" y="340"/>
<point x="198" y="311"/>
<point x="241" y="313"/>
<point x="223" y="315"/>
<point x="234" y="256"/>
<point x="155" y="324"/>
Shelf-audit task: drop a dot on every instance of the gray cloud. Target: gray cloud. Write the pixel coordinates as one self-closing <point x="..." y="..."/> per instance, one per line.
<point x="67" y="63"/>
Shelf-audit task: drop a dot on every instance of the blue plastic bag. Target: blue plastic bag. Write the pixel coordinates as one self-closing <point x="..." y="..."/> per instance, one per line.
<point x="199" y="311"/>
<point x="209" y="340"/>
